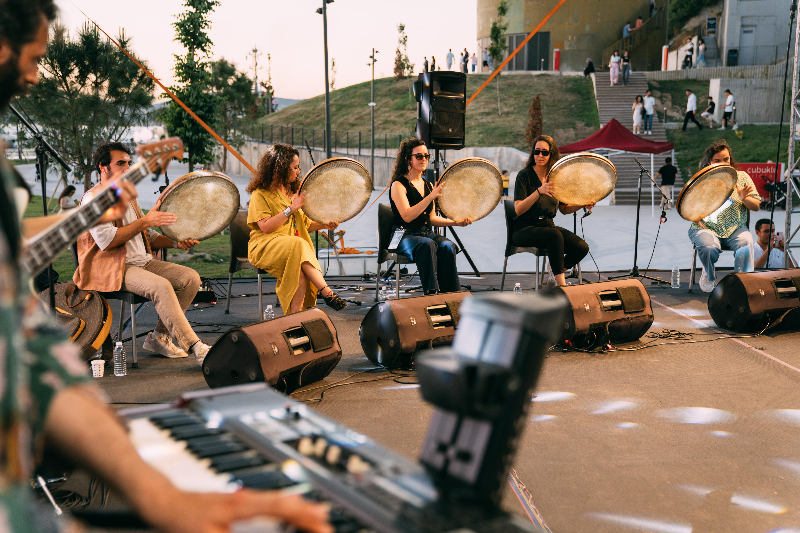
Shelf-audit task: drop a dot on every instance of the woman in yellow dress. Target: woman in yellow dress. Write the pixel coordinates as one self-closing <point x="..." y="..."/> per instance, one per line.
<point x="279" y="240"/>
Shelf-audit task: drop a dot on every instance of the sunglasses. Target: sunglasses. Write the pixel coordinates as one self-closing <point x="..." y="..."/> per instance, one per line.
<point x="420" y="157"/>
<point x="545" y="153"/>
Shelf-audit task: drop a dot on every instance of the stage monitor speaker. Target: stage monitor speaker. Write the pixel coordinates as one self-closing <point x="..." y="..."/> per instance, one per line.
<point x="393" y="331"/>
<point x="610" y="311"/>
<point x="441" y="108"/>
<point x="750" y="301"/>
<point x="287" y="352"/>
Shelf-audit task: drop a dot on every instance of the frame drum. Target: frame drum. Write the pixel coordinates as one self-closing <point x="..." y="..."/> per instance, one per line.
<point x="706" y="191"/>
<point x="205" y="201"/>
<point x="582" y="178"/>
<point x="472" y="189"/>
<point x="336" y="189"/>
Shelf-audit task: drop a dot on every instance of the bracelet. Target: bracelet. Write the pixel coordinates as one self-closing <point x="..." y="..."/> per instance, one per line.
<point x="174" y="244"/>
<point x="287" y="212"/>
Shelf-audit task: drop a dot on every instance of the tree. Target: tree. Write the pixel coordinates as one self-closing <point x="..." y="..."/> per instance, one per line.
<point x="402" y="64"/>
<point x="333" y="72"/>
<point x="535" y="121"/>
<point x="499" y="45"/>
<point x="237" y="101"/>
<point x="192" y="72"/>
<point x="89" y="92"/>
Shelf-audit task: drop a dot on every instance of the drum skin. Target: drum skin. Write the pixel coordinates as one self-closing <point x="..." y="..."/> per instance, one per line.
<point x="336" y="190"/>
<point x="706" y="192"/>
<point x="472" y="189"/>
<point x="205" y="202"/>
<point x="582" y="178"/>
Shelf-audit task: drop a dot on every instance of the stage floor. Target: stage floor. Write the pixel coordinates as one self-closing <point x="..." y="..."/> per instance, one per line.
<point x="695" y="434"/>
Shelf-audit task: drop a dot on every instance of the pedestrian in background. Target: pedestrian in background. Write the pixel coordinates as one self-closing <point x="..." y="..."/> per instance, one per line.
<point x="461" y="62"/>
<point x="589" y="69"/>
<point x="425" y="64"/>
<point x="691" y="107"/>
<point x="626" y="30"/>
<point x="449" y="59"/>
<point x="667" y="173"/>
<point x="433" y="64"/>
<point x="485" y="65"/>
<point x="727" y="111"/>
<point x="708" y="114"/>
<point x="626" y="68"/>
<point x="701" y="53"/>
<point x="649" y="111"/>
<point x="465" y="64"/>
<point x="638" y="112"/>
<point x="613" y="64"/>
<point x="505" y="182"/>
<point x="639" y="23"/>
<point x="474" y="62"/>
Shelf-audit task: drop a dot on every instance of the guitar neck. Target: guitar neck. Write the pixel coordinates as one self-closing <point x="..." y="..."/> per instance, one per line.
<point x="45" y="246"/>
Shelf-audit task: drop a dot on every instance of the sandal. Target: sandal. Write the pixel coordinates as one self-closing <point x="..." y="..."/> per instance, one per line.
<point x="333" y="300"/>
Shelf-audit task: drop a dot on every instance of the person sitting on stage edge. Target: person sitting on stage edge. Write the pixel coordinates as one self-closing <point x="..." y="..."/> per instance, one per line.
<point x="119" y="256"/>
<point x="279" y="240"/>
<point x="728" y="224"/>
<point x="536" y="207"/>
<point x="413" y="202"/>
<point x="47" y="398"/>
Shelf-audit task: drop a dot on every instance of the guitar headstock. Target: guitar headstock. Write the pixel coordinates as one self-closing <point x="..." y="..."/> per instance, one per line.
<point x="158" y="155"/>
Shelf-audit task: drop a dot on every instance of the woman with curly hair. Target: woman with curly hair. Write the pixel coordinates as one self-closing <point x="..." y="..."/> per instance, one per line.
<point x="535" y="208"/>
<point x="412" y="199"/>
<point x="279" y="240"/>
<point x="727" y="225"/>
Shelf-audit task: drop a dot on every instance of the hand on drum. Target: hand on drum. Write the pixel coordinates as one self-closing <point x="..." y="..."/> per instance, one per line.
<point x="589" y="207"/>
<point x="156" y="218"/>
<point x="465" y="222"/>
<point x="332" y="225"/>
<point x="299" y="200"/>
<point x="546" y="188"/>
<point x="437" y="191"/>
<point x="188" y="244"/>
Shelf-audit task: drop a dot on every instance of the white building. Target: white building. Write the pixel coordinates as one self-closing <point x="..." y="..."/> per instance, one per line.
<point x="753" y="32"/>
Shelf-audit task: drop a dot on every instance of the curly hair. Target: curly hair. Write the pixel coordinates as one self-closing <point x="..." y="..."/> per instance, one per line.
<point x="273" y="169"/>
<point x="715" y="148"/>
<point x="102" y="155"/>
<point x="403" y="161"/>
<point x="554" y="155"/>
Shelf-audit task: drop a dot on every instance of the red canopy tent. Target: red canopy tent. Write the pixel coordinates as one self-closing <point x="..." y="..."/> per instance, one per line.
<point x="614" y="138"/>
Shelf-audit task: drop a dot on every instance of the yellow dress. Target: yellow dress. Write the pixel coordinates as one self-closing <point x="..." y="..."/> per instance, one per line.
<point x="281" y="252"/>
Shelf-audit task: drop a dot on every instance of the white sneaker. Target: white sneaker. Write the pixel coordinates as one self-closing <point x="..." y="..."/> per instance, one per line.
<point x="736" y="126"/>
<point x="161" y="344"/>
<point x="200" y="350"/>
<point x="705" y="284"/>
<point x="722" y="128"/>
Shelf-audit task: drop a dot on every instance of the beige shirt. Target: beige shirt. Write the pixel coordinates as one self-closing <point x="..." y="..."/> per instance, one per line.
<point x="135" y="251"/>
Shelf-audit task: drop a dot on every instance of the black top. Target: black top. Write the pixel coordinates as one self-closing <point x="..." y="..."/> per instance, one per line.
<point x="626" y="59"/>
<point x="414" y="197"/>
<point x="668" y="173"/>
<point x="711" y="107"/>
<point x="545" y="206"/>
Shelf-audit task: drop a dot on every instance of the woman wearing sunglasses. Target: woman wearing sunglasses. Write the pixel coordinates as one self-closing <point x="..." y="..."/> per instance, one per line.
<point x="412" y="199"/>
<point x="536" y="207"/>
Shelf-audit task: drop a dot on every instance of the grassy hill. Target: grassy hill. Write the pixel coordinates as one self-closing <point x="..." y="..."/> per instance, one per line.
<point x="568" y="109"/>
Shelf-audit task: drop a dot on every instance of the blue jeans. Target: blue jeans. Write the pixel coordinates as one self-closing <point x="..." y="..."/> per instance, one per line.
<point x="648" y="122"/>
<point x="709" y="247"/>
<point x="435" y="257"/>
<point x="701" y="59"/>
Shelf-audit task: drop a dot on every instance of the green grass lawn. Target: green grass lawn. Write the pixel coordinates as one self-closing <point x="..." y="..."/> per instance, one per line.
<point x="672" y="95"/>
<point x="215" y="265"/>
<point x="568" y="108"/>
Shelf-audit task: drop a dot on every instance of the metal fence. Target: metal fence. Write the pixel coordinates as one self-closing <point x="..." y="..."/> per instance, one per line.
<point x="342" y="141"/>
<point x="743" y="57"/>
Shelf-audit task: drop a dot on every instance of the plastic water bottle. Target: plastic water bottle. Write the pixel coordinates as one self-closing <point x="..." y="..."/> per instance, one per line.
<point x="269" y="314"/>
<point x="119" y="360"/>
<point x="676" y="278"/>
<point x="382" y="294"/>
<point x="517" y="288"/>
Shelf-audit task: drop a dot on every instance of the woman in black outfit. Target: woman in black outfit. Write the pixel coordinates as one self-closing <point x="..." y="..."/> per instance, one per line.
<point x="536" y="207"/>
<point x="412" y="199"/>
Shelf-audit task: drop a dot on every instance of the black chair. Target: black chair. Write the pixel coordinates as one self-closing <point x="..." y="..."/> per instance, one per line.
<point x="511" y="249"/>
<point x="240" y="237"/>
<point x="384" y="238"/>
<point x="124" y="297"/>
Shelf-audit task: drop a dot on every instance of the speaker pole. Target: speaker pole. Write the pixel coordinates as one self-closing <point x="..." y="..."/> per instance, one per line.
<point x="452" y="229"/>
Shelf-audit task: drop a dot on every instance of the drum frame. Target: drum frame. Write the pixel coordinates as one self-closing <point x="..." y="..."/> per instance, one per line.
<point x="695" y="179"/>
<point x="578" y="155"/>
<point x="461" y="162"/>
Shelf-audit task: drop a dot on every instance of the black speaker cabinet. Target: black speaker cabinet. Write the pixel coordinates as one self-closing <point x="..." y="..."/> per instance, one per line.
<point x="750" y="301"/>
<point x="287" y="352"/>
<point x="610" y="311"/>
<point x="393" y="331"/>
<point x="442" y="103"/>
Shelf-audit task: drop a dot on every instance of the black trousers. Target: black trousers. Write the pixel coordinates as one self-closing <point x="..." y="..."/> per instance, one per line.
<point x="564" y="248"/>
<point x="690" y="116"/>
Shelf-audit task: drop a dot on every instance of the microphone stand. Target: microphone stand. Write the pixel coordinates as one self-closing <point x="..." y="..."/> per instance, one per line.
<point x="316" y="234"/>
<point x="634" y="273"/>
<point x="452" y="229"/>
<point x="43" y="148"/>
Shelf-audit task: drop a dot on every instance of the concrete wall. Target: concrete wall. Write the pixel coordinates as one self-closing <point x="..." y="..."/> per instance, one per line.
<point x="580" y="28"/>
<point x="755" y="72"/>
<point x="757" y="101"/>
<point x="769" y="17"/>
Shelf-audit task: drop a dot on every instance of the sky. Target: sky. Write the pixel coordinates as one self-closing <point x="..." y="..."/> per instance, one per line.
<point x="291" y="32"/>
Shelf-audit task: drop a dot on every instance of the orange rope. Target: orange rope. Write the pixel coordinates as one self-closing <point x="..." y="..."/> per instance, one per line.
<point x="177" y="100"/>
<point x="517" y="49"/>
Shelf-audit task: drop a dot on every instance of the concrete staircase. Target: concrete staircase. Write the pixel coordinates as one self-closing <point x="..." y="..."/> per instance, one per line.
<point x="615" y="102"/>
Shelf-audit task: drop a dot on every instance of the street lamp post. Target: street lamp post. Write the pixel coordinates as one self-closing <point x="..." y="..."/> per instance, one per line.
<point x="372" y="105"/>
<point x="324" y="12"/>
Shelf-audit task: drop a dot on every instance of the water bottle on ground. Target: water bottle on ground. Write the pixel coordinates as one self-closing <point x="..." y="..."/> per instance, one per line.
<point x="517" y="288"/>
<point x="382" y="294"/>
<point x="119" y="360"/>
<point x="676" y="278"/>
<point x="269" y="314"/>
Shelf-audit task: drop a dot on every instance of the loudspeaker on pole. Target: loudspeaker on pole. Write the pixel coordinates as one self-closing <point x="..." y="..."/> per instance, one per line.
<point x="441" y="109"/>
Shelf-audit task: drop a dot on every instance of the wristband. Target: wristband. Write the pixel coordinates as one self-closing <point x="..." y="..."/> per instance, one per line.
<point x="287" y="212"/>
<point x="174" y="244"/>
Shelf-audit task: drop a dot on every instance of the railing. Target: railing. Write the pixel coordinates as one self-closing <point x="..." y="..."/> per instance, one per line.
<point x="342" y="141"/>
<point x="636" y="37"/>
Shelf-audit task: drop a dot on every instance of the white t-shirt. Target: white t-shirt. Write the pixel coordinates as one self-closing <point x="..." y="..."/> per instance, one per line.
<point x="691" y="104"/>
<point x="729" y="103"/>
<point x="775" y="256"/>
<point x="135" y="254"/>
<point x="649" y="102"/>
